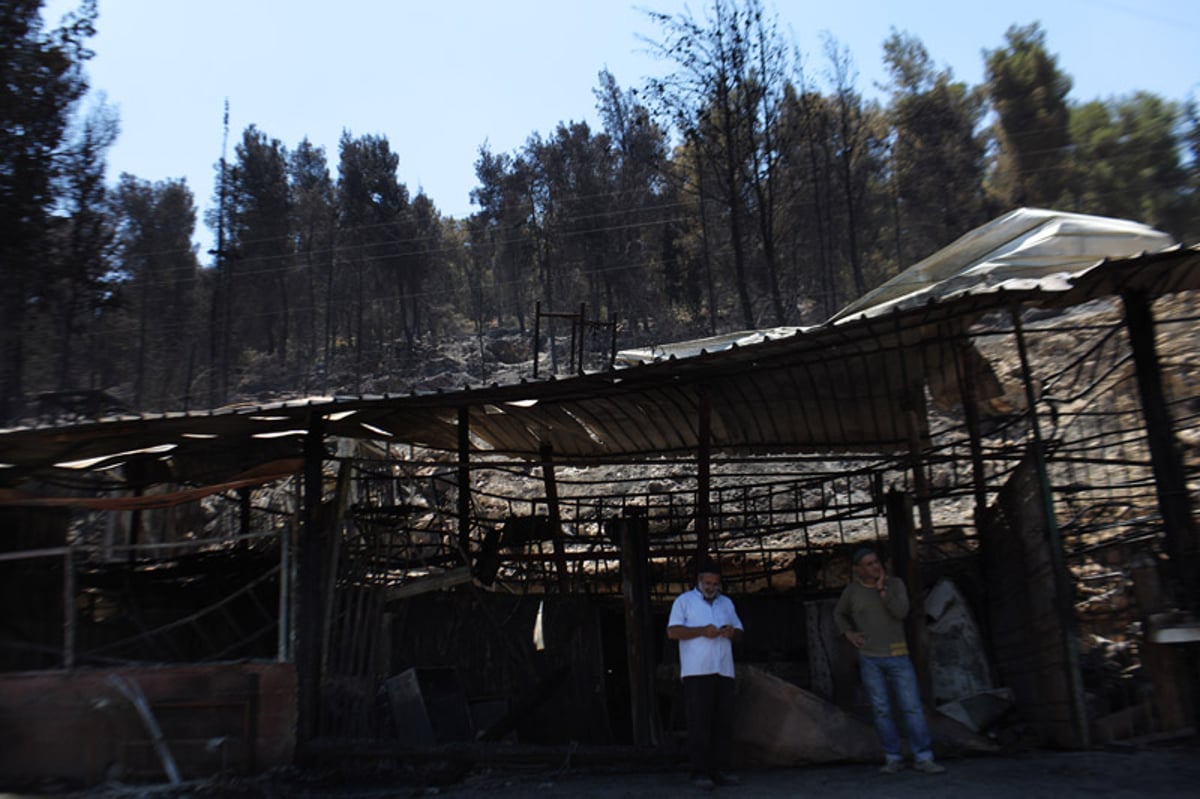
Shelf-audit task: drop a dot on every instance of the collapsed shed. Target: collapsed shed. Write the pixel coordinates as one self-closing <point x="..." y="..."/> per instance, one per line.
<point x="1013" y="414"/>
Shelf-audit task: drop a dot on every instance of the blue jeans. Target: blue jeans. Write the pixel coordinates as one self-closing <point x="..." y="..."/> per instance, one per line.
<point x="877" y="674"/>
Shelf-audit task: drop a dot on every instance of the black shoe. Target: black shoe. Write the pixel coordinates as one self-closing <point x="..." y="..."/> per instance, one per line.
<point x="721" y="778"/>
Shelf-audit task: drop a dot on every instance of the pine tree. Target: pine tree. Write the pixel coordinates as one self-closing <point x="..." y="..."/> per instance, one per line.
<point x="41" y="80"/>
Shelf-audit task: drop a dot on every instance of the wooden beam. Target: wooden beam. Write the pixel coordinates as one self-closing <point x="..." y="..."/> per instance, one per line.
<point x="283" y="643"/>
<point x="703" y="474"/>
<point x="1170" y="477"/>
<point x="968" y="387"/>
<point x="309" y="585"/>
<point x="464" y="483"/>
<point x="430" y="582"/>
<point x="560" y="560"/>
<point x="582" y="336"/>
<point x="907" y="566"/>
<point x="69" y="608"/>
<point x="1173" y="696"/>
<point x="537" y="336"/>
<point x="639" y="642"/>
<point x="331" y="546"/>
<point x="914" y="414"/>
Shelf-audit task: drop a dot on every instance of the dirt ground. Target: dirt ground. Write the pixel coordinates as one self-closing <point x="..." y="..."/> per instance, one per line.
<point x="1169" y="769"/>
<point x="1135" y="773"/>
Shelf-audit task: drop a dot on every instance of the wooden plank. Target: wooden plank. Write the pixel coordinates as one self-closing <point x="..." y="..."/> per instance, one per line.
<point x="432" y="582"/>
<point x="560" y="561"/>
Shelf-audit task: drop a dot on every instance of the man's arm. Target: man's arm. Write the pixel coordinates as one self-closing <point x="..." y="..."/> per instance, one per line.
<point x="894" y="596"/>
<point x="841" y="613"/>
<point x="677" y="632"/>
<point x="735" y="630"/>
<point x="844" y="620"/>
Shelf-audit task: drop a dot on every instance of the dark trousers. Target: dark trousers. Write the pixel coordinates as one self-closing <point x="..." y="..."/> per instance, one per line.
<point x="708" y="702"/>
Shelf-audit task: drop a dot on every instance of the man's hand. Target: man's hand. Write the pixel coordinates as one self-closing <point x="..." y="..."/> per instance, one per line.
<point x="881" y="583"/>
<point x="712" y="631"/>
<point x="856" y="638"/>
<point x="728" y="631"/>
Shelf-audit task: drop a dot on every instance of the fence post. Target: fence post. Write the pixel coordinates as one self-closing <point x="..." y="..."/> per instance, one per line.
<point x="69" y="608"/>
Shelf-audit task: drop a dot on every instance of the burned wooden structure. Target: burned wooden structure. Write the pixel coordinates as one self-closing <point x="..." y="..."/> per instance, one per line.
<point x="491" y="567"/>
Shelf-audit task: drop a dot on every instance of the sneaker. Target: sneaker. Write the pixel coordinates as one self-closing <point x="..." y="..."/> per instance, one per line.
<point x="703" y="781"/>
<point x="892" y="767"/>
<point x="929" y="767"/>
<point x="721" y="778"/>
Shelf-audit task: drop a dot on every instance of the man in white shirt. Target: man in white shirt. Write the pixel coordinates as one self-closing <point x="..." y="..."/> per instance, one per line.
<point x="705" y="624"/>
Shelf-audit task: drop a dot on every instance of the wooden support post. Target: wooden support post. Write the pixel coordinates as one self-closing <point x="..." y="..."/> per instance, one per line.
<point x="915" y="420"/>
<point x="582" y="335"/>
<point x="612" y="353"/>
<point x="1064" y="595"/>
<point x="968" y="389"/>
<point x="283" y="640"/>
<point x="537" y="336"/>
<point x="243" y="496"/>
<point x="69" y="611"/>
<point x="310" y="582"/>
<point x="135" y="524"/>
<point x="560" y="553"/>
<point x="914" y="415"/>
<point x="574" y="345"/>
<point x="464" y="483"/>
<point x="1170" y="477"/>
<point x="331" y="536"/>
<point x="906" y="565"/>
<point x="1174" y="696"/>
<point x="639" y="641"/>
<point x="703" y="475"/>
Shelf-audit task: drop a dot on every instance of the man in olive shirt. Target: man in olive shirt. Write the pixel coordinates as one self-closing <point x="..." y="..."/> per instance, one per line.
<point x="870" y="614"/>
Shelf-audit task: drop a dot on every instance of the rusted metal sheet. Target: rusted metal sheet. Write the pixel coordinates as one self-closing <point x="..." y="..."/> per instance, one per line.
<point x="780" y="724"/>
<point x="1026" y="614"/>
<point x="77" y="726"/>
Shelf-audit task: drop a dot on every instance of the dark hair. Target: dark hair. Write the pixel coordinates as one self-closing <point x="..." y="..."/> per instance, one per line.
<point x="861" y="553"/>
<point x="707" y="566"/>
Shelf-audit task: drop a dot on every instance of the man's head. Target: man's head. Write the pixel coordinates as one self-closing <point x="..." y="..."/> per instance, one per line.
<point x="708" y="578"/>
<point x="866" y="564"/>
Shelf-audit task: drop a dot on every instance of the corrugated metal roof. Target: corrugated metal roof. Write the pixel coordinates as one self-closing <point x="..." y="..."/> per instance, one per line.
<point x="1024" y="244"/>
<point x="837" y="387"/>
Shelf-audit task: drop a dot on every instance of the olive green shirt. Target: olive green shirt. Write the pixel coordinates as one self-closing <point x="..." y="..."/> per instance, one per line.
<point x="880" y="619"/>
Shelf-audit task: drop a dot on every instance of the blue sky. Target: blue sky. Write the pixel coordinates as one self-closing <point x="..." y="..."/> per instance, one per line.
<point x="440" y="79"/>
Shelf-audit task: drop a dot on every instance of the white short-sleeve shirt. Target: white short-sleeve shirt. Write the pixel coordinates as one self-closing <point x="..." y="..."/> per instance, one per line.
<point x="700" y="656"/>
